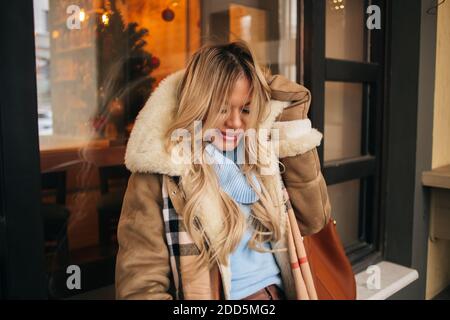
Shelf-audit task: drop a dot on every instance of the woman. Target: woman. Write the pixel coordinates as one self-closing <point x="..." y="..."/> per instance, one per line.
<point x="207" y="218"/>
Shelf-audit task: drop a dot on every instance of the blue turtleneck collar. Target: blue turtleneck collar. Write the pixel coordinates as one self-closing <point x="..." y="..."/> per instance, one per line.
<point x="231" y="179"/>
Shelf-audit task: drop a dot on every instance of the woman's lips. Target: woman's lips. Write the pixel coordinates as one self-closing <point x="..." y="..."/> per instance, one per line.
<point x="229" y="137"/>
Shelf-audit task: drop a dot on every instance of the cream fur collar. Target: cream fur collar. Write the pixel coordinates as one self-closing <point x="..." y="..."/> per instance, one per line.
<point x="146" y="152"/>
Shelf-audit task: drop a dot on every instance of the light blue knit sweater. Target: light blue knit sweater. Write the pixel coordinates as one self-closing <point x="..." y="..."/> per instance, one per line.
<point x="250" y="270"/>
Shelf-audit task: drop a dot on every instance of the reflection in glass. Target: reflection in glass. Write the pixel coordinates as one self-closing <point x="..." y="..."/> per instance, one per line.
<point x="344" y="198"/>
<point x="97" y="63"/>
<point x="269" y="27"/>
<point x="343" y="119"/>
<point x="345" y="27"/>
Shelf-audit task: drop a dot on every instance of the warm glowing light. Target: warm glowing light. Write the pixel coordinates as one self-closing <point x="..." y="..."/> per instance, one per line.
<point x="337" y="5"/>
<point x="55" y="34"/>
<point x="82" y="15"/>
<point x="105" y="19"/>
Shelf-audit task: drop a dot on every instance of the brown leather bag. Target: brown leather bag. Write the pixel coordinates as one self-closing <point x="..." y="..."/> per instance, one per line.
<point x="332" y="273"/>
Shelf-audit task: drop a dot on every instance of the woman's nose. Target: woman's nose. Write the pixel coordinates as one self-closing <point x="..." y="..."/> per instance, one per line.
<point x="234" y="121"/>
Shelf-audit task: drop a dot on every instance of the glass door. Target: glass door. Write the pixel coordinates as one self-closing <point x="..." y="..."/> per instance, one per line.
<point x="97" y="62"/>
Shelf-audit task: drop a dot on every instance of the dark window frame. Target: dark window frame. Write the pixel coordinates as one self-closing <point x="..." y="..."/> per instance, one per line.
<point x="316" y="69"/>
<point x="21" y="231"/>
<point x="411" y="58"/>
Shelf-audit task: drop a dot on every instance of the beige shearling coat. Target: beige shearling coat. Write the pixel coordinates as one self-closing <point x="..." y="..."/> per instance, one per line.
<point x="142" y="265"/>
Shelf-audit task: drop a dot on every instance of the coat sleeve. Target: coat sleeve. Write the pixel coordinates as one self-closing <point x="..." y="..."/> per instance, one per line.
<point x="301" y="174"/>
<point x="142" y="263"/>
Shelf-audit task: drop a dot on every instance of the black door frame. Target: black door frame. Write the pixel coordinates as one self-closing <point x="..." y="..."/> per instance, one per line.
<point x="21" y="234"/>
<point x="410" y="100"/>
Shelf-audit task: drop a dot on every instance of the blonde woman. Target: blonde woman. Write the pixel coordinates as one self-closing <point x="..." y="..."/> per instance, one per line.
<point x="215" y="155"/>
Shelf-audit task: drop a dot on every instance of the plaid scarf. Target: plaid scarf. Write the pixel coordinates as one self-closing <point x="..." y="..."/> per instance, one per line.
<point x="178" y="240"/>
<point x="181" y="245"/>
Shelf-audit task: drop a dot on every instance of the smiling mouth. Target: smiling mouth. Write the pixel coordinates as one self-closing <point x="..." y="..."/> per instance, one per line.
<point x="229" y="137"/>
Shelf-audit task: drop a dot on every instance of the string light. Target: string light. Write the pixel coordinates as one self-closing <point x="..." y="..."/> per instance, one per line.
<point x="175" y="3"/>
<point x="82" y="15"/>
<point x="55" y="34"/>
<point x="337" y="5"/>
<point x="105" y="19"/>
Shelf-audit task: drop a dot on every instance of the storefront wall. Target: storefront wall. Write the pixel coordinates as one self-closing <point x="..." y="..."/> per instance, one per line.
<point x="438" y="275"/>
<point x="79" y="123"/>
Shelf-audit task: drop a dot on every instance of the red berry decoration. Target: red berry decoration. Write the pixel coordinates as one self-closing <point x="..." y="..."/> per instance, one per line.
<point x="155" y="62"/>
<point x="168" y="14"/>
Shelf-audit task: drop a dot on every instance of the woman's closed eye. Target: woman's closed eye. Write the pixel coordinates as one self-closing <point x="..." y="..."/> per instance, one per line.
<point x="245" y="110"/>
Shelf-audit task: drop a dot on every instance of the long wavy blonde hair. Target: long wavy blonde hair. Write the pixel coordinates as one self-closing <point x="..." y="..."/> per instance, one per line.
<point x="205" y="89"/>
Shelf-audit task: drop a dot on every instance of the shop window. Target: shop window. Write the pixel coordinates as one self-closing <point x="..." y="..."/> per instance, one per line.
<point x="343" y="117"/>
<point x="343" y="66"/>
<point x="97" y="64"/>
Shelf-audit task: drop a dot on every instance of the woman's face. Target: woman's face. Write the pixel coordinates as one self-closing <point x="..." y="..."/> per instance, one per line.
<point x="231" y="130"/>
